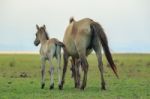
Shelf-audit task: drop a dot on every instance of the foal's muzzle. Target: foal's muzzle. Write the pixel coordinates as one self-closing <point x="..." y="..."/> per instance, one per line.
<point x="36" y="42"/>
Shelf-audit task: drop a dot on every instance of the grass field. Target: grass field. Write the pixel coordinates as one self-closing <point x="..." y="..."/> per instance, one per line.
<point x="20" y="79"/>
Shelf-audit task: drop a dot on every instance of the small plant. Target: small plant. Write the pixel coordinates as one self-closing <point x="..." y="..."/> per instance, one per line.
<point x="12" y="64"/>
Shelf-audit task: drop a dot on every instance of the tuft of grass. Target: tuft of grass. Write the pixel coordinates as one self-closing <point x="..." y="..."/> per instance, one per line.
<point x="12" y="63"/>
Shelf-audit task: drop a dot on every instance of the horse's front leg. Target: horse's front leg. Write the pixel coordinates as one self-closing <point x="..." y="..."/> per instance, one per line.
<point x="43" y="72"/>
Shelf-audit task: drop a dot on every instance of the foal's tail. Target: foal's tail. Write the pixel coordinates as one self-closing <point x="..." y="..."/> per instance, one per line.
<point x="60" y="44"/>
<point x="102" y="36"/>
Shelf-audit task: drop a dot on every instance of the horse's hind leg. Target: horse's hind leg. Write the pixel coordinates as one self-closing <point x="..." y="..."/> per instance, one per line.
<point x="97" y="49"/>
<point x="85" y="69"/>
<point x="43" y="72"/>
<point x="77" y="73"/>
<point x="64" y="70"/>
<point x="81" y="43"/>
<point x="82" y="55"/>
<point x="74" y="71"/>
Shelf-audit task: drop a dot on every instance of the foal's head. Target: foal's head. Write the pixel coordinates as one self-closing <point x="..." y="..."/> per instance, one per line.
<point x="41" y="35"/>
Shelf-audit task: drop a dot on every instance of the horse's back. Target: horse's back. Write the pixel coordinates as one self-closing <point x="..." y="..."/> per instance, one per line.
<point x="78" y="35"/>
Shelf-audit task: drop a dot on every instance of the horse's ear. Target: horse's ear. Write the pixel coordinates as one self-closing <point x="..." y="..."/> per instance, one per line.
<point x="71" y="20"/>
<point x="37" y="27"/>
<point x="44" y="26"/>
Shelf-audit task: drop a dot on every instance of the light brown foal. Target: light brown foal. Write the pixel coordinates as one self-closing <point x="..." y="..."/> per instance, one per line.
<point x="49" y="48"/>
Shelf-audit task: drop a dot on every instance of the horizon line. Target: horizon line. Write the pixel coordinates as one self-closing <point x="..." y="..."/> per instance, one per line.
<point x="37" y="52"/>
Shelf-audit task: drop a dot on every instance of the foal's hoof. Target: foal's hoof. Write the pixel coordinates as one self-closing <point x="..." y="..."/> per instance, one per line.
<point x="42" y="86"/>
<point x="51" y="86"/>
<point x="61" y="85"/>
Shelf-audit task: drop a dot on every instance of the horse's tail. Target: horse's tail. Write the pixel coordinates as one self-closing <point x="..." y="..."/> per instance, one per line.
<point x="103" y="39"/>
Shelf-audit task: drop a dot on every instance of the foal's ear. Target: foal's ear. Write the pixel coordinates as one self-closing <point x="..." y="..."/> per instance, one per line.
<point x="44" y="26"/>
<point x="37" y="27"/>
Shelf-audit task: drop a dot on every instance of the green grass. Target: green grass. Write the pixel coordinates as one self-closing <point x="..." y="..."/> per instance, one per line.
<point x="133" y="69"/>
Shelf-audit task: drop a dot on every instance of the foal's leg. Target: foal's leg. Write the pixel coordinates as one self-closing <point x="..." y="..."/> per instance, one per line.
<point x="51" y="71"/>
<point x="64" y="70"/>
<point x="59" y="67"/>
<point x="43" y="72"/>
<point x="97" y="49"/>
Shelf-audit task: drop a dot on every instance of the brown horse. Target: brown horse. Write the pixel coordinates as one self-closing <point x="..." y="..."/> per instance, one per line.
<point x="49" y="48"/>
<point x="81" y="37"/>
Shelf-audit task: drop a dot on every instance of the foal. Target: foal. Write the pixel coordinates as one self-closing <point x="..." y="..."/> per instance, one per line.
<point x="49" y="48"/>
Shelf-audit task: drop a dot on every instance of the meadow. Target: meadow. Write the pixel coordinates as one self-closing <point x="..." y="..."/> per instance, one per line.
<point x="20" y="78"/>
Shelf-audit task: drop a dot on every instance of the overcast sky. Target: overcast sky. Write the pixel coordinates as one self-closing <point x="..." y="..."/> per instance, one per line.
<point x="126" y="22"/>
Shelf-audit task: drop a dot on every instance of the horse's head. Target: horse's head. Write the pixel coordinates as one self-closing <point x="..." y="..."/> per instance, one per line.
<point x="40" y="34"/>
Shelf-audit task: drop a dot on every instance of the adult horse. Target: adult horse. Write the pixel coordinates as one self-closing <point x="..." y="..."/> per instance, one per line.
<point x="80" y="38"/>
<point x="49" y="48"/>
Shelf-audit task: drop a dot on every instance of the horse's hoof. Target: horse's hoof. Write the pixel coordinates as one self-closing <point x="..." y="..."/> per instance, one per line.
<point x="76" y="85"/>
<point x="51" y="86"/>
<point x="103" y="88"/>
<point x="42" y="86"/>
<point x="82" y="87"/>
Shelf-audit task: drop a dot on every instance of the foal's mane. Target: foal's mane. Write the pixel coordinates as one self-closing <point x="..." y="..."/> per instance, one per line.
<point x="46" y="34"/>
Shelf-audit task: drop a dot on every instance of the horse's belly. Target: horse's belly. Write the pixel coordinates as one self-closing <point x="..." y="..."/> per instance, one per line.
<point x="71" y="48"/>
